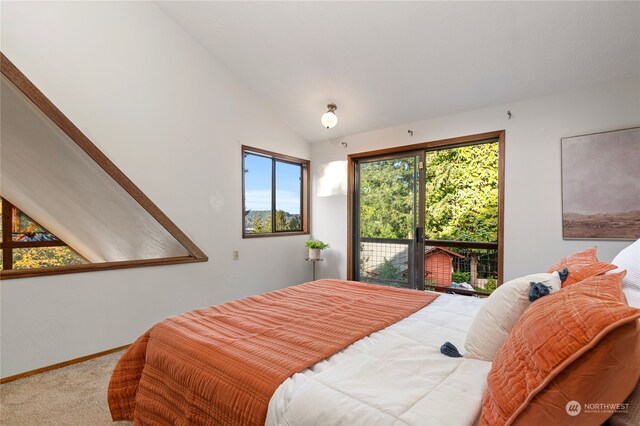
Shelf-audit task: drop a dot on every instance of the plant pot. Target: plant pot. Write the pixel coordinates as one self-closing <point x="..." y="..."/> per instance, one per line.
<point x="314" y="254"/>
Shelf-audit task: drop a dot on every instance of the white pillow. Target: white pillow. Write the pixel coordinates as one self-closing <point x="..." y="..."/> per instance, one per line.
<point x="499" y="313"/>
<point x="629" y="259"/>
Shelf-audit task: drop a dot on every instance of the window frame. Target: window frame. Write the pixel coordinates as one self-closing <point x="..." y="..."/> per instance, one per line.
<point x="7" y="244"/>
<point x="352" y="159"/>
<point x="18" y="79"/>
<point x="305" y="216"/>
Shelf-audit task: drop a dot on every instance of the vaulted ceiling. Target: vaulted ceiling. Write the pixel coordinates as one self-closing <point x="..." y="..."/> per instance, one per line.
<point x="388" y="63"/>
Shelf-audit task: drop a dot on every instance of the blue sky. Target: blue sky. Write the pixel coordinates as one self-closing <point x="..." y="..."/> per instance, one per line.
<point x="258" y="185"/>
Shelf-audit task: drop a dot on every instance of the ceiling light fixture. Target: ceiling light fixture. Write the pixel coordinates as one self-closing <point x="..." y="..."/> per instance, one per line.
<point x="329" y="118"/>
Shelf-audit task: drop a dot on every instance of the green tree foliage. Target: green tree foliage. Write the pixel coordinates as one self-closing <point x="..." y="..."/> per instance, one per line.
<point x="386" y="274"/>
<point x="36" y="257"/>
<point x="387" y="190"/>
<point x="460" y="277"/>
<point x="294" y="223"/>
<point x="259" y="222"/>
<point x="461" y="198"/>
<point x="260" y="226"/>
<point x="491" y="285"/>
<point x="389" y="271"/>
<point x="282" y="224"/>
<point x="44" y="257"/>
<point x="462" y="193"/>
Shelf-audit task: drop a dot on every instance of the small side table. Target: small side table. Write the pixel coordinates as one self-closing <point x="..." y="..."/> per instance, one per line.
<point x="313" y="262"/>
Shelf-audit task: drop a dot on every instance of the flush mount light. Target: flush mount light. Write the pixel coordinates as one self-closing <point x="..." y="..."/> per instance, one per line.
<point x="329" y="118"/>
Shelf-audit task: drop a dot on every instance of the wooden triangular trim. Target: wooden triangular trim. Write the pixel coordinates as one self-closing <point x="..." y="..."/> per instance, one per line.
<point x="14" y="75"/>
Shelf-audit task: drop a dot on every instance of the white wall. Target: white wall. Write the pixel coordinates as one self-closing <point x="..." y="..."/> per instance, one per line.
<point x="533" y="213"/>
<point x="173" y="119"/>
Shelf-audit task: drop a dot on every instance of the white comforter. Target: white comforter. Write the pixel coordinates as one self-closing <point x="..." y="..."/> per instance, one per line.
<point x="395" y="376"/>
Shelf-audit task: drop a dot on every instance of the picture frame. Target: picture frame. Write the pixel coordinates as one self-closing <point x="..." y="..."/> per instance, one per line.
<point x="601" y="185"/>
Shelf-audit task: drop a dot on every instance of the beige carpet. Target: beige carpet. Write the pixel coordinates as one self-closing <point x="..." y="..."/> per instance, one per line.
<point x="74" y="395"/>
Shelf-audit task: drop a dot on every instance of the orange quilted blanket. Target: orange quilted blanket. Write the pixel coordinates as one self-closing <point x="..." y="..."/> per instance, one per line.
<point x="222" y="364"/>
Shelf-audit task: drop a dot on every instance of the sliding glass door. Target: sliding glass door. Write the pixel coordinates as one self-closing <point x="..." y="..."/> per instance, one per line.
<point x="388" y="213"/>
<point x="429" y="218"/>
<point x="461" y="218"/>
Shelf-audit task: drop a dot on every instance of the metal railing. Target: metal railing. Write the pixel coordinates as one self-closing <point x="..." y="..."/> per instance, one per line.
<point x="386" y="261"/>
<point x="449" y="265"/>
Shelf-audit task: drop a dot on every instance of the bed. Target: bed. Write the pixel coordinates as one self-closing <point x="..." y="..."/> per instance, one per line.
<point x="333" y="352"/>
<point x="236" y="364"/>
<point x="395" y="376"/>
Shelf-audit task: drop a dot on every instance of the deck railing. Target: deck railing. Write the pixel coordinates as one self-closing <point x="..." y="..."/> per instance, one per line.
<point x="469" y="267"/>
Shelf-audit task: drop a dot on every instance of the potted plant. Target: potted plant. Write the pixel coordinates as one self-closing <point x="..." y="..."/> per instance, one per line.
<point x="315" y="247"/>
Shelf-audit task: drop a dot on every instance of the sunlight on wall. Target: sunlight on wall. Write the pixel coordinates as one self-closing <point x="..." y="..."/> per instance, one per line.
<point x="333" y="179"/>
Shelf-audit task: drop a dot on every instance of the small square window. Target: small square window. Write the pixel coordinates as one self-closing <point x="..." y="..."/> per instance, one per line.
<point x="275" y="194"/>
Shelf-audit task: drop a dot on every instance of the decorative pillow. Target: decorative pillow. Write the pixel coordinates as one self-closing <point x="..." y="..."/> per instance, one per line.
<point x="580" y="274"/>
<point x="611" y="362"/>
<point x="629" y="414"/>
<point x="499" y="313"/>
<point x="576" y="260"/>
<point x="629" y="259"/>
<point x="559" y="355"/>
<point x="581" y="265"/>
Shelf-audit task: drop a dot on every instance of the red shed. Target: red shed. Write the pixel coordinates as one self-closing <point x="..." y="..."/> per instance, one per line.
<point x="438" y="266"/>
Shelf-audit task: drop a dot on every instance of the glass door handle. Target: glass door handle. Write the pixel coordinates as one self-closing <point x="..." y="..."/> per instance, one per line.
<point x="419" y="235"/>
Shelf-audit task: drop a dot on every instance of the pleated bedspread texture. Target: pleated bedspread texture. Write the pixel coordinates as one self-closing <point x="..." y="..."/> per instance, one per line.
<point x="221" y="365"/>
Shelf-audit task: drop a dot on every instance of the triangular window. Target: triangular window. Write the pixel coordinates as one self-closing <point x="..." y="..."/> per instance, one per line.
<point x="66" y="206"/>
<point x="27" y="245"/>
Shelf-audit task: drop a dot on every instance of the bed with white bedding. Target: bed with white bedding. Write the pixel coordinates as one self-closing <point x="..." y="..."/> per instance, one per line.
<point x="334" y="352"/>
<point x="377" y="380"/>
<point x="222" y="364"/>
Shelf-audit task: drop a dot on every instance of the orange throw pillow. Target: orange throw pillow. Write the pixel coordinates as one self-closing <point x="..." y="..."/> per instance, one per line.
<point x="580" y="274"/>
<point x="581" y="265"/>
<point x="613" y="361"/>
<point x="558" y="352"/>
<point x="576" y="260"/>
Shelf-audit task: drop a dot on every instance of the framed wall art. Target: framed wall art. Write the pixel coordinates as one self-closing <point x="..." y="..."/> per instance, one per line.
<point x="601" y="185"/>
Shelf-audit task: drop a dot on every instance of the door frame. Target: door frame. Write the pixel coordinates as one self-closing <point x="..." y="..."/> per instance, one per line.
<point x="416" y="261"/>
<point x="394" y="151"/>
